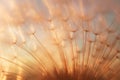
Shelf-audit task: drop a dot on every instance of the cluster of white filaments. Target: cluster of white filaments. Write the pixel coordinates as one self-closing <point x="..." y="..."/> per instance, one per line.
<point x="59" y="40"/>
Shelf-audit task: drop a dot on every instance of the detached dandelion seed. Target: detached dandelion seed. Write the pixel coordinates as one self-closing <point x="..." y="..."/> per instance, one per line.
<point x="59" y="40"/>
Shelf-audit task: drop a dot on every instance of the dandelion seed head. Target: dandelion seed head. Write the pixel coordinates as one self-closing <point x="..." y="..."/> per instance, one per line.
<point x="59" y="40"/>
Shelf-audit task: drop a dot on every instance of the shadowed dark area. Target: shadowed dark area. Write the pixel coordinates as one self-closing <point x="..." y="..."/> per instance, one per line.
<point x="78" y="74"/>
